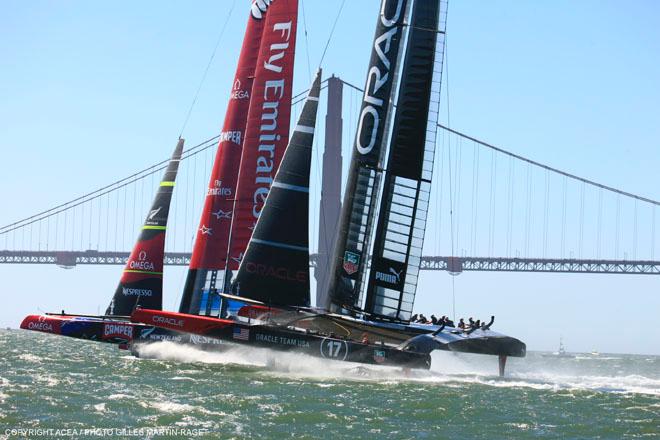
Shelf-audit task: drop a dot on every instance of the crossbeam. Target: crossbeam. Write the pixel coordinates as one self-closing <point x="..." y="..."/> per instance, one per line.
<point x="454" y="265"/>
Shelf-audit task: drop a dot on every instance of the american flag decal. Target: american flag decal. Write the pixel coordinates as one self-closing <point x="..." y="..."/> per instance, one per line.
<point x="241" y="333"/>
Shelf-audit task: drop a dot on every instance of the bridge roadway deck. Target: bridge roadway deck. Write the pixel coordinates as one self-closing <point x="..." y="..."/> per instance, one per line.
<point x="454" y="265"/>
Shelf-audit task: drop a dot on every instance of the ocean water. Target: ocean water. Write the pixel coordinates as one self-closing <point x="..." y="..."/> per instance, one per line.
<point x="60" y="387"/>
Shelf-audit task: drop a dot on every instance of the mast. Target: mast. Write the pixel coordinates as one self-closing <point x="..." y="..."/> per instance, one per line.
<point x="212" y="237"/>
<point x="399" y="236"/>
<point x="352" y="246"/>
<point x="275" y="268"/>
<point x="141" y="282"/>
<point x="267" y="132"/>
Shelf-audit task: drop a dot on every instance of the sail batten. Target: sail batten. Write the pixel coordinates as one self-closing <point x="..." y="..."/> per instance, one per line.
<point x="275" y="268"/>
<point x="141" y="282"/>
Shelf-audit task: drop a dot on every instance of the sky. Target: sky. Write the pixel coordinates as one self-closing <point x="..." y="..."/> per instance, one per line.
<point x="90" y="92"/>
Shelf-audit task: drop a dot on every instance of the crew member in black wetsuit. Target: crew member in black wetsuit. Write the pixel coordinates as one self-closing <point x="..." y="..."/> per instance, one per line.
<point x="485" y="326"/>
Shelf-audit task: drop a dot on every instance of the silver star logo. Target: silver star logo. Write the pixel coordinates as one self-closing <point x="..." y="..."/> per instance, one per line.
<point x="205" y="230"/>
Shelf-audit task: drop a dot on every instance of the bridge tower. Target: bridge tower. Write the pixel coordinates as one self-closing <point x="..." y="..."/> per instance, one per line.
<point x="330" y="186"/>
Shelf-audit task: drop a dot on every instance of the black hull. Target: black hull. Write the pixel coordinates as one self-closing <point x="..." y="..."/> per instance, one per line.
<point x="279" y="338"/>
<point x="292" y="341"/>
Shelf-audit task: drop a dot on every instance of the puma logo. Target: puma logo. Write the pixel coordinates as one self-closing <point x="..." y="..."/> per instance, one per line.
<point x="396" y="274"/>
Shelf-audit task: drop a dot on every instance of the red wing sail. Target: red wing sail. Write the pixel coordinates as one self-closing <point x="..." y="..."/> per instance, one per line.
<point x="268" y="123"/>
<point x="142" y="280"/>
<point x="212" y="240"/>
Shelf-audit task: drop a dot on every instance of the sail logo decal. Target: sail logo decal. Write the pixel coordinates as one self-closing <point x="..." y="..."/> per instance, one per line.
<point x="281" y="273"/>
<point x="351" y="262"/>
<point x="127" y="291"/>
<point x="273" y="93"/>
<point x="219" y="190"/>
<point x="237" y="92"/>
<point x="153" y="213"/>
<point x="142" y="263"/>
<point x="220" y="214"/>
<point x="393" y="277"/>
<point x="168" y="321"/>
<point x="233" y="136"/>
<point x="259" y="7"/>
<point x="205" y="230"/>
<point x="118" y="331"/>
<point x="378" y="76"/>
<point x="42" y="325"/>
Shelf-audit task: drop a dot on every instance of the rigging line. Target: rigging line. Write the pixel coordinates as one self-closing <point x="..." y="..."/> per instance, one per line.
<point x="206" y="71"/>
<point x="533" y="162"/>
<point x="332" y="31"/>
<point x="86" y="196"/>
<point x="309" y="68"/>
<point x="554" y="170"/>
<point x="451" y="203"/>
<point x="110" y="191"/>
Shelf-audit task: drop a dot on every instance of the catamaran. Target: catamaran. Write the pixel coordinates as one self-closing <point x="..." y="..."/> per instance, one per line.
<point x="366" y="315"/>
<point x="141" y="283"/>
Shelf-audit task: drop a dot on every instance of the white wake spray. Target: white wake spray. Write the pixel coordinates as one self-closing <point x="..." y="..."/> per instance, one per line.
<point x="449" y="368"/>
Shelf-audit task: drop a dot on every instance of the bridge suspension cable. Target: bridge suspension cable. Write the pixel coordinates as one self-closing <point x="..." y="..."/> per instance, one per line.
<point x="533" y="162"/>
<point x="121" y="183"/>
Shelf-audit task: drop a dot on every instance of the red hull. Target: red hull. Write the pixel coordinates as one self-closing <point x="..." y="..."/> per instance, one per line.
<point x="97" y="329"/>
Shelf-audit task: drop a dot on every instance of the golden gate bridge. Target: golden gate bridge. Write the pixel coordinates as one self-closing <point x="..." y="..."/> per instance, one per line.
<point x="492" y="210"/>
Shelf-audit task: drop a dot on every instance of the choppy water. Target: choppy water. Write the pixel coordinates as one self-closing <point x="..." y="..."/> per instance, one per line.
<point x="60" y="383"/>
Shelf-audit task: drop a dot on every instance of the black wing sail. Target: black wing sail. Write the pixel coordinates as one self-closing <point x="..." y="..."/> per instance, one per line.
<point x="275" y="267"/>
<point x="361" y="194"/>
<point x="399" y="234"/>
<point x="142" y="280"/>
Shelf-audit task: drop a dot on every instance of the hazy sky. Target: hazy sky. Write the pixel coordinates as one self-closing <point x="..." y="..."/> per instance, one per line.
<point x="90" y="92"/>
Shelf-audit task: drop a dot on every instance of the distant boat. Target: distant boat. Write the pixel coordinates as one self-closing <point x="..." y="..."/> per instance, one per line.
<point x="595" y="352"/>
<point x="561" y="352"/>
